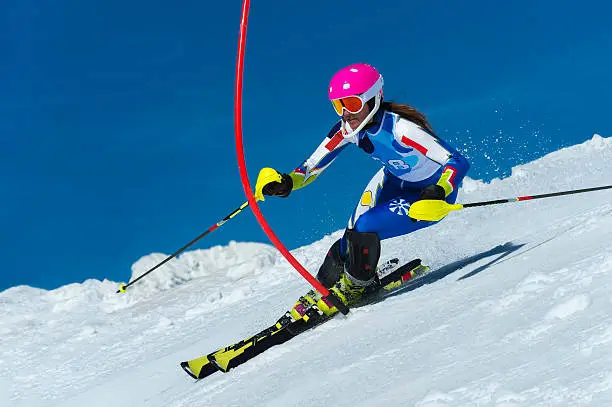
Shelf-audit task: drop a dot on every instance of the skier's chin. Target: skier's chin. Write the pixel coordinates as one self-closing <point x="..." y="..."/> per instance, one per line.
<point x="352" y="123"/>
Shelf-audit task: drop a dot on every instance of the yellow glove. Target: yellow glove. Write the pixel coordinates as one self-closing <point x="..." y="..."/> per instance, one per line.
<point x="271" y="183"/>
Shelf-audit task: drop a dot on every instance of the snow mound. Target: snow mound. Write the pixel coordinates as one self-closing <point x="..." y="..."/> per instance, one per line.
<point x="228" y="263"/>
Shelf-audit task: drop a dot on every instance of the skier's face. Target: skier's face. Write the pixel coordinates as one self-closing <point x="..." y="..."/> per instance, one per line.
<point x="355" y="119"/>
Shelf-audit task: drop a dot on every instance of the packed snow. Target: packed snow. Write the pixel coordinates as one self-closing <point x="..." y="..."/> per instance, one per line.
<point x="515" y="313"/>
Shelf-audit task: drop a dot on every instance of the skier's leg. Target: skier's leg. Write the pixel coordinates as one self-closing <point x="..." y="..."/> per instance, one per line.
<point x="332" y="266"/>
<point x="361" y="250"/>
<point x="360" y="268"/>
<point x="334" y="263"/>
<point x="362" y="256"/>
<point x="347" y="276"/>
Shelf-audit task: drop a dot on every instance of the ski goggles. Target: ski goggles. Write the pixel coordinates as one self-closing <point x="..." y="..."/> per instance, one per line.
<point x="354" y="104"/>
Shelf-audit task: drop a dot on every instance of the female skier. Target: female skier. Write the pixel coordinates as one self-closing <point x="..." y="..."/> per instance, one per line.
<point x="416" y="164"/>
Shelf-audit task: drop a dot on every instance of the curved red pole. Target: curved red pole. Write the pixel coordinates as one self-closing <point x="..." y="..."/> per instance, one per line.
<point x="242" y="164"/>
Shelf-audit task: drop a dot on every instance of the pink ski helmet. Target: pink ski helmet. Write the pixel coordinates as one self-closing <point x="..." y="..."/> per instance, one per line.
<point x="353" y="87"/>
<point x="355" y="80"/>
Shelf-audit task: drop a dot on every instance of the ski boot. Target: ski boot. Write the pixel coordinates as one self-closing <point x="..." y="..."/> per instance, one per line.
<point x="348" y="290"/>
<point x="329" y="273"/>
<point x="351" y="284"/>
<point x="345" y="289"/>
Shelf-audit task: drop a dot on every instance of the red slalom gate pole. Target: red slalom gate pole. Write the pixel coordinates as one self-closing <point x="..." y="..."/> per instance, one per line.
<point x="243" y="172"/>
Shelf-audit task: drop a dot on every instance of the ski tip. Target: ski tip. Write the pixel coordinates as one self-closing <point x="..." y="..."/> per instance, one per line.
<point x="199" y="371"/>
<point x="185" y="366"/>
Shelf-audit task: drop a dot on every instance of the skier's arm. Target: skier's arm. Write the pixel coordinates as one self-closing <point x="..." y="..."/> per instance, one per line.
<point x="320" y="159"/>
<point x="454" y="165"/>
<point x="272" y="183"/>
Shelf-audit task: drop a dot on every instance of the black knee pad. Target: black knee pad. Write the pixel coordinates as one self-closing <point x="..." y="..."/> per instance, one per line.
<point x="332" y="266"/>
<point x="363" y="254"/>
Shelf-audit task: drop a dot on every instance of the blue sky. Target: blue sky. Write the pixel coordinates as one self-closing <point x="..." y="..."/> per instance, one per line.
<point x="116" y="119"/>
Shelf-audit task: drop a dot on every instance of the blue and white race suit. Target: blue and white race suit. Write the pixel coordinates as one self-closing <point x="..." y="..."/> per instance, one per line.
<point x="412" y="159"/>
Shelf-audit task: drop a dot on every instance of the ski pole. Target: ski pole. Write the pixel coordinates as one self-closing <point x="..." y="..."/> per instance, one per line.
<point x="122" y="287"/>
<point x="434" y="210"/>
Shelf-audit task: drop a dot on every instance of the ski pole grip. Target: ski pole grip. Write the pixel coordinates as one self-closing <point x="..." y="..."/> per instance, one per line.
<point x="335" y="301"/>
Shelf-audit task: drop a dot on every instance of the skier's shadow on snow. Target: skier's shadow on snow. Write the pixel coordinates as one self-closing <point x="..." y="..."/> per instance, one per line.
<point x="438" y="274"/>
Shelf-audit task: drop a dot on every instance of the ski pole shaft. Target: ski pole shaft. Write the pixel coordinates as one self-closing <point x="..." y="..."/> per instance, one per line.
<point x="531" y="197"/>
<point x="435" y="210"/>
<point x="182" y="249"/>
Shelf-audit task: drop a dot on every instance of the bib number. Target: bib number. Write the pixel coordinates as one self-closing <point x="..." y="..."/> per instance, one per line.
<point x="399" y="164"/>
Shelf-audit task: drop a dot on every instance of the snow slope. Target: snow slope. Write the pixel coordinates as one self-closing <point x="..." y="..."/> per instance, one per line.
<point x="515" y="314"/>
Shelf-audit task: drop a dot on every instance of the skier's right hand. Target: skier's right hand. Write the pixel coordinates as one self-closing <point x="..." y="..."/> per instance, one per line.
<point x="282" y="188"/>
<point x="271" y="183"/>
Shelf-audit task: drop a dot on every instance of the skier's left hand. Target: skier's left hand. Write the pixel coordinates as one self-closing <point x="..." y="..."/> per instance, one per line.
<point x="433" y="191"/>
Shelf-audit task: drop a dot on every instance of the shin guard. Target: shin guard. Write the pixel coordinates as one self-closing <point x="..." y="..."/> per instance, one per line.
<point x="363" y="255"/>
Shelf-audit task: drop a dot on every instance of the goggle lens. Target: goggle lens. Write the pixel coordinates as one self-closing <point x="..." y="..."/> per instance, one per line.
<point x="353" y="104"/>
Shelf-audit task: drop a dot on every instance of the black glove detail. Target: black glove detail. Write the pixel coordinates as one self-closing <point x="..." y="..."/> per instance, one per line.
<point x="433" y="191"/>
<point x="281" y="189"/>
